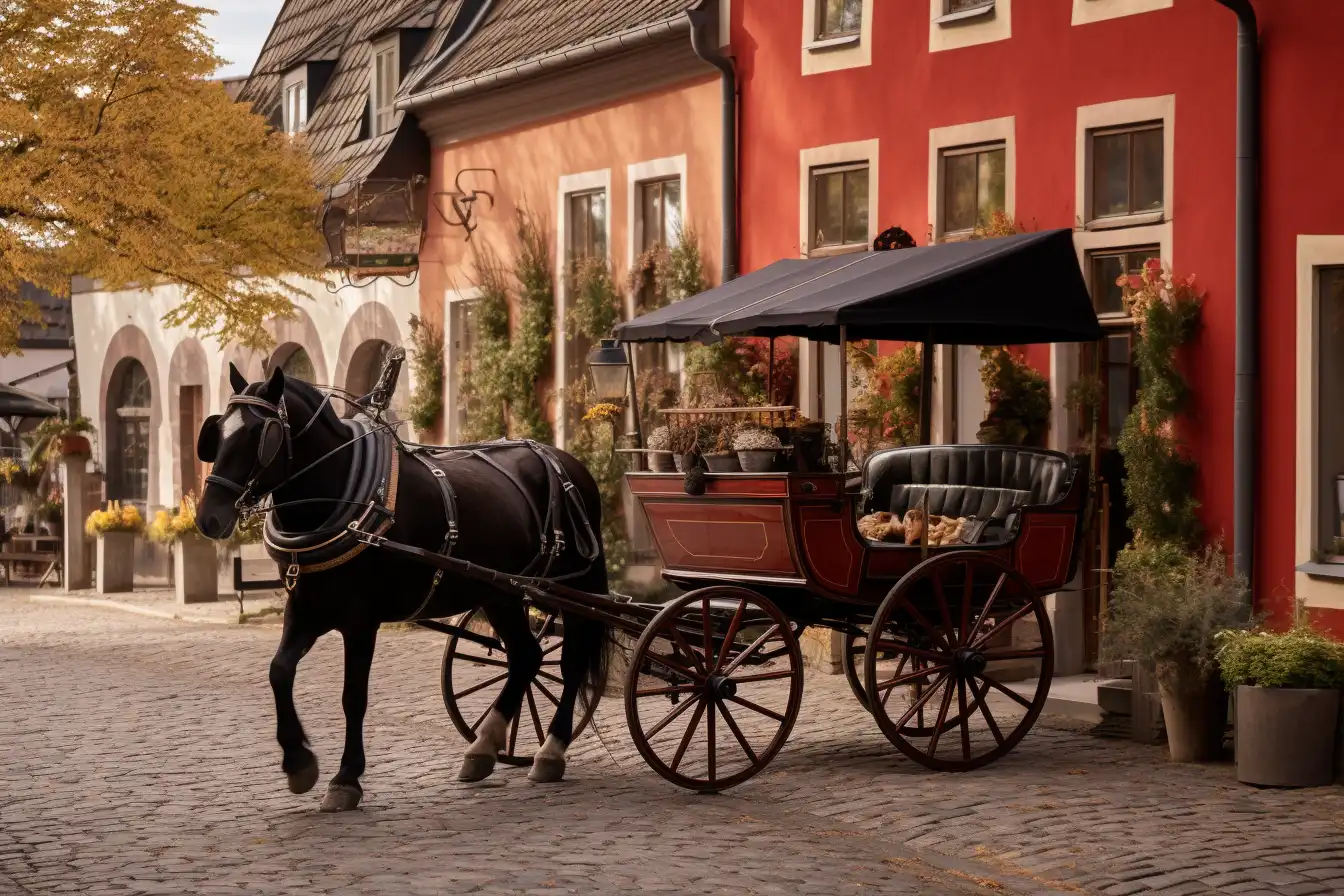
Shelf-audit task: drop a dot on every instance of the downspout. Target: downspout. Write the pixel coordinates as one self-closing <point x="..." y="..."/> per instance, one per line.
<point x="1244" y="444"/>
<point x="703" y="46"/>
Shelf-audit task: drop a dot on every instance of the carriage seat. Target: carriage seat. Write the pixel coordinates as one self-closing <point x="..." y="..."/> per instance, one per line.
<point x="988" y="482"/>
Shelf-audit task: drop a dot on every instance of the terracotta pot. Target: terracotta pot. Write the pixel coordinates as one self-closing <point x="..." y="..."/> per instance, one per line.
<point x="723" y="463"/>
<point x="1194" y="710"/>
<point x="75" y="445"/>
<point x="1286" y="736"/>
<point x="662" y="461"/>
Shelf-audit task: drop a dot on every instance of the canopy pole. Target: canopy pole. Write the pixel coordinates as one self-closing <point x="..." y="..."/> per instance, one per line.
<point x="770" y="376"/>
<point x="926" y="393"/>
<point x="842" y="423"/>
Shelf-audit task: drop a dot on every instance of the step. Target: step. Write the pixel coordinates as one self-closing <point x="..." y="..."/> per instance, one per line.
<point x="1116" y="696"/>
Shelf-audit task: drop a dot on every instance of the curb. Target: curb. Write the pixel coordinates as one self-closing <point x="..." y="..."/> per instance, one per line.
<point x="129" y="608"/>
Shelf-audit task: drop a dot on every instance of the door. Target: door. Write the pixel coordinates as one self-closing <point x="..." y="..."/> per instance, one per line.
<point x="191" y="414"/>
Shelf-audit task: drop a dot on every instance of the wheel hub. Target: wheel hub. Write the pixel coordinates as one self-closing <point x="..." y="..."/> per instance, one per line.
<point x="969" y="663"/>
<point x="721" y="686"/>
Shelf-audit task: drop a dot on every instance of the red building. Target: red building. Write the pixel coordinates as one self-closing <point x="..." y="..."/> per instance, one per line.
<point x="1117" y="118"/>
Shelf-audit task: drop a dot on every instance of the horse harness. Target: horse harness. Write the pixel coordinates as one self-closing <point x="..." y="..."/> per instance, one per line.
<point x="370" y="494"/>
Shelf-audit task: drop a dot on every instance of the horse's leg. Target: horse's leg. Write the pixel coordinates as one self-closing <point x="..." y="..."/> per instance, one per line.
<point x="509" y="619"/>
<point x="297" y="638"/>
<point x="344" y="792"/>
<point x="583" y="636"/>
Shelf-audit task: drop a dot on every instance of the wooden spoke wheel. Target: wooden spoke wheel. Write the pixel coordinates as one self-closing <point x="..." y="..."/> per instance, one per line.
<point x="857" y="645"/>
<point x="714" y="687"/>
<point x="958" y="609"/>
<point x="472" y="676"/>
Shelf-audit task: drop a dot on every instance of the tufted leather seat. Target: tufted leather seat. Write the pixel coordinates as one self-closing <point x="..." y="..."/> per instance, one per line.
<point x="988" y="482"/>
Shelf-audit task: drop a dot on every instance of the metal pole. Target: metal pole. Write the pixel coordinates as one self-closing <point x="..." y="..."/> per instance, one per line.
<point x="770" y="377"/>
<point x="842" y="423"/>
<point x="926" y="394"/>
<point x="634" y="399"/>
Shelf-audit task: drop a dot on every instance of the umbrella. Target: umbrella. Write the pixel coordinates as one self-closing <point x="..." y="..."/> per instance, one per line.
<point x="16" y="404"/>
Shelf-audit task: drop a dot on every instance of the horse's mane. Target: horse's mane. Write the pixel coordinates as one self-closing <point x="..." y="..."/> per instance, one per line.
<point x="312" y="399"/>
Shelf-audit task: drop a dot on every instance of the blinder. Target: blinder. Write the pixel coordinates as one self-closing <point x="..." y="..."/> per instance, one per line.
<point x="272" y="437"/>
<point x="207" y="443"/>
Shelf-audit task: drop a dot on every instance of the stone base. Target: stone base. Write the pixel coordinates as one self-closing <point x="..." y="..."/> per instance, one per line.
<point x="115" y="563"/>
<point x="823" y="650"/>
<point x="195" y="571"/>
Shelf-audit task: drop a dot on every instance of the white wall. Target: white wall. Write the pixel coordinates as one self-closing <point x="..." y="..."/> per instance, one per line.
<point x="99" y="316"/>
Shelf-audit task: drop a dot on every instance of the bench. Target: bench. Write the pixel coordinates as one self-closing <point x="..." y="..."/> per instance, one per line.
<point x="242" y="585"/>
<point x="52" y="559"/>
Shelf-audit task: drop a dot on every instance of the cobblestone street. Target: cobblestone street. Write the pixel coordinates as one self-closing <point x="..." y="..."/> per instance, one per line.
<point x="137" y="755"/>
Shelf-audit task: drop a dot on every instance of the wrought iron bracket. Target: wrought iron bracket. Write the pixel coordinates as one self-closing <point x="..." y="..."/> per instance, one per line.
<point x="460" y="202"/>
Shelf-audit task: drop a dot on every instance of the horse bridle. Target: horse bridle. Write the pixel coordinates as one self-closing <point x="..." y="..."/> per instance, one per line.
<point x="274" y="433"/>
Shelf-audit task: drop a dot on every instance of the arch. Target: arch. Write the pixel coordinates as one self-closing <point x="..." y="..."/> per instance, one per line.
<point x="249" y="361"/>
<point x="188" y="379"/>
<point x="369" y="333"/>
<point x="130" y="384"/>
<point x="298" y="331"/>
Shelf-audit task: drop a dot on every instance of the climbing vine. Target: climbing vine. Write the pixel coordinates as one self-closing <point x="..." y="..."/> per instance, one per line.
<point x="500" y="374"/>
<point x="885" y="410"/>
<point x="1159" y="472"/>
<point x="1019" y="400"/>
<point x="427" y="365"/>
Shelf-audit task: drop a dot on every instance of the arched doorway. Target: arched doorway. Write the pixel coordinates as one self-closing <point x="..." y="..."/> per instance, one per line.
<point x="366" y="366"/>
<point x="295" y="362"/>
<point x="130" y="402"/>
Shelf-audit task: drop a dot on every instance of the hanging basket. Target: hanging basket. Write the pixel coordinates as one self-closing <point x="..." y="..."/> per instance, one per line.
<point x="375" y="228"/>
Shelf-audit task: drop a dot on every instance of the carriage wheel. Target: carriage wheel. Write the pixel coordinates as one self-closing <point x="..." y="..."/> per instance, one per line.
<point x="956" y="604"/>
<point x="856" y="646"/>
<point x="714" y="687"/>
<point x="472" y="676"/>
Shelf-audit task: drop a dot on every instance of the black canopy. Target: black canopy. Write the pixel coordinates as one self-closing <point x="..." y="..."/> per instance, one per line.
<point x="1011" y="290"/>
<point x="16" y="403"/>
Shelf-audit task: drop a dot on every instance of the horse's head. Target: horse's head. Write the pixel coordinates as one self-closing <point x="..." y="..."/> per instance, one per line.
<point x="250" y="447"/>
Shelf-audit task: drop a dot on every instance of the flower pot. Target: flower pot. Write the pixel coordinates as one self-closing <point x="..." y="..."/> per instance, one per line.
<point x="679" y="462"/>
<point x="662" y="461"/>
<point x="75" y="445"/>
<point x="195" y="570"/>
<point x="758" y="460"/>
<point x="723" y="463"/>
<point x="1286" y="736"/>
<point x="115" y="563"/>
<point x="1194" y="710"/>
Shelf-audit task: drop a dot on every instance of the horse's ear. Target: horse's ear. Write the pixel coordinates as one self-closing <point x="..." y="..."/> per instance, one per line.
<point x="275" y="386"/>
<point x="236" y="378"/>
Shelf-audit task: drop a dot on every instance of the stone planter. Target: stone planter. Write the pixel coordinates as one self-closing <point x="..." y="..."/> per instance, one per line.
<point x="723" y="463"/>
<point x="661" y="462"/>
<point x="115" y="563"/>
<point x="1285" y="736"/>
<point x="195" y="570"/>
<point x="1195" y="713"/>
<point x="758" y="461"/>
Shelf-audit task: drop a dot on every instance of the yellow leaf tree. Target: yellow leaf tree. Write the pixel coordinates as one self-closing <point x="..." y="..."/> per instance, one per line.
<point x="120" y="160"/>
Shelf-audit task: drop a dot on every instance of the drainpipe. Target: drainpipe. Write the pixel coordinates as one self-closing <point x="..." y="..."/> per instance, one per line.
<point x="1244" y="445"/>
<point x="705" y="49"/>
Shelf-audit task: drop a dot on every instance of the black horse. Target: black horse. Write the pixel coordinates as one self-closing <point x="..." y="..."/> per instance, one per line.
<point x="282" y="438"/>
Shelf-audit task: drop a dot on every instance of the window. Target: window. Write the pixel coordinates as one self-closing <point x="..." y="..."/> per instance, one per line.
<point x="299" y="366"/>
<point x="296" y="107"/>
<point x="1105" y="268"/>
<point x="840" y="206"/>
<point x="952" y="7"/>
<point x="386" y="77"/>
<point x="190" y="416"/>
<point x="660" y="212"/>
<point x="465" y="329"/>
<point x="129" y="479"/>
<point x="1127" y="171"/>
<point x="587" y="225"/>
<point x="838" y="18"/>
<point x="974" y="187"/>
<point x="1330" y="422"/>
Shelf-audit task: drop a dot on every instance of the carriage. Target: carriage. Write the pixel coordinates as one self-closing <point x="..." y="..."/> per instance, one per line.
<point x="929" y="635"/>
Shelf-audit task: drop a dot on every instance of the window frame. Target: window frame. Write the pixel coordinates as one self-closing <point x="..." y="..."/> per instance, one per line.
<point x="944" y="153"/>
<point x="135" y="420"/>
<point x="570" y="185"/>
<point x="949" y="16"/>
<point x="814" y="179"/>
<point x="831" y="38"/>
<point x="295" y="82"/>
<point x="822" y="52"/>
<point x="1131" y="216"/>
<point x="1091" y="256"/>
<point x="380" y="114"/>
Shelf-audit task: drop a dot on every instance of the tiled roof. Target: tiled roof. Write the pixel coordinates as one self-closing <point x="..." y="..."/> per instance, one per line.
<point x="515" y="31"/>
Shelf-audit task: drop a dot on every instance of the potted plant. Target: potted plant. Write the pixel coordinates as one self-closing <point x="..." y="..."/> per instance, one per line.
<point x="683" y="440"/>
<point x="659" y="444"/>
<point x="58" y="437"/>
<point x="1167" y="607"/>
<point x="719" y="454"/>
<point x="115" y="528"/>
<point x="1287" y="689"/>
<point x="195" y="562"/>
<point x="757" y="449"/>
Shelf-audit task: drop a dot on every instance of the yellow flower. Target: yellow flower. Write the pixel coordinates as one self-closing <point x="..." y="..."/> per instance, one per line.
<point x="601" y="411"/>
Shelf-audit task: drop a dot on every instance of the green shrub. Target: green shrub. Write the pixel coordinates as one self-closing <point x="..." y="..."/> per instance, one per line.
<point x="1301" y="658"/>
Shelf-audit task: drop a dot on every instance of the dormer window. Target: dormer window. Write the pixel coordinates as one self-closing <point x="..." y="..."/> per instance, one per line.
<point x="296" y="101"/>
<point x="386" y="80"/>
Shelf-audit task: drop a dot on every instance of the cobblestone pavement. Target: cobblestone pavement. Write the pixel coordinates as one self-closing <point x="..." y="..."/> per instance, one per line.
<point x="137" y="755"/>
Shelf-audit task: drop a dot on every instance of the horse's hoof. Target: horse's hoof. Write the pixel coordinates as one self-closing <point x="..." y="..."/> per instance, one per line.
<point x="341" y="798"/>
<point x="546" y="770"/>
<point x="303" y="780"/>
<point x="476" y="767"/>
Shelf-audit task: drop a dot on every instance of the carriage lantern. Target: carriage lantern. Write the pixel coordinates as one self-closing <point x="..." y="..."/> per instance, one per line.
<point x="375" y="227"/>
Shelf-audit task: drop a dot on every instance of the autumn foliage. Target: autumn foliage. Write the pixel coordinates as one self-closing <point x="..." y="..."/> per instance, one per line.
<point x="121" y="161"/>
